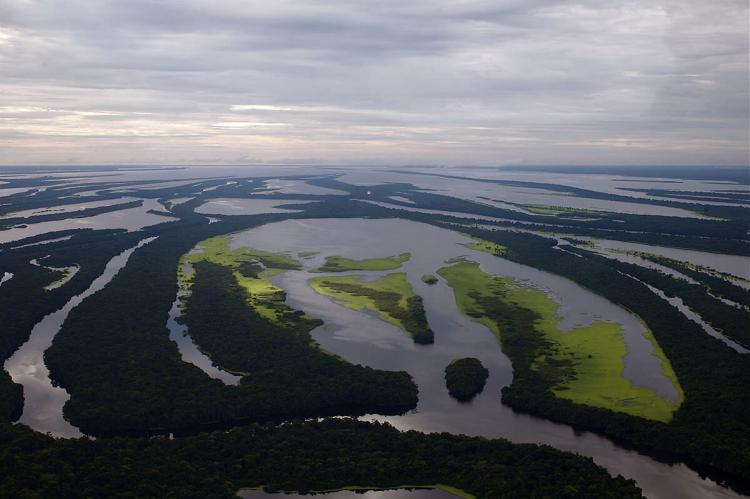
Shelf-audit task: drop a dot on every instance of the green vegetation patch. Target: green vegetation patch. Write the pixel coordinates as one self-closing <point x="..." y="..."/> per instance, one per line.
<point x="252" y="268"/>
<point x="391" y="297"/>
<point x="241" y="320"/>
<point x="341" y="264"/>
<point x="487" y="247"/>
<point x="429" y="279"/>
<point x="691" y="434"/>
<point x="728" y="319"/>
<point x="542" y="209"/>
<point x="719" y="283"/>
<point x="583" y="365"/>
<point x="465" y="378"/>
<point x="333" y="454"/>
<point x="67" y="275"/>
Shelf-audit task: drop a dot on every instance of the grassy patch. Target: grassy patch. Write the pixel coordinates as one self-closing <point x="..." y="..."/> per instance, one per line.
<point x="67" y="274"/>
<point x="307" y="254"/>
<point x="252" y="269"/>
<point x="429" y="279"/>
<point x="391" y="297"/>
<point x="583" y="365"/>
<point x="241" y="320"/>
<point x="542" y="209"/>
<point x="341" y="264"/>
<point x="487" y="247"/>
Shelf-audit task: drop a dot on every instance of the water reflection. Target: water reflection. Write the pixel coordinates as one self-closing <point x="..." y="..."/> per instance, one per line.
<point x="350" y="494"/>
<point x="364" y="339"/>
<point x="501" y="195"/>
<point x="188" y="350"/>
<point x="130" y="219"/>
<point x="43" y="402"/>
<point x="735" y="265"/>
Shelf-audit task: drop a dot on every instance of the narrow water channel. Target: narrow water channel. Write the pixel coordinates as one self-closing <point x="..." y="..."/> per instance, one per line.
<point x="43" y="402"/>
<point x="674" y="301"/>
<point x="188" y="349"/>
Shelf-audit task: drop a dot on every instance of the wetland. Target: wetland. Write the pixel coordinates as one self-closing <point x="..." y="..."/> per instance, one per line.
<point x="439" y="328"/>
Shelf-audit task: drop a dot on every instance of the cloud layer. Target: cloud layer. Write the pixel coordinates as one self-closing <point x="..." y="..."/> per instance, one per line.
<point x="420" y="82"/>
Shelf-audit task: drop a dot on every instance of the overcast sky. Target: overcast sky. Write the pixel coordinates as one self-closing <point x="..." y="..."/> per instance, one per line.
<point x="374" y="82"/>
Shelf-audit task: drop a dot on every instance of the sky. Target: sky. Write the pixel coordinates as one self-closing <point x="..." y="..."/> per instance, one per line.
<point x="420" y="82"/>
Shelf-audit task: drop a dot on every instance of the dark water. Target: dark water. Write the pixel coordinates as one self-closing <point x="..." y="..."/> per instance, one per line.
<point x="188" y="350"/>
<point x="43" y="402"/>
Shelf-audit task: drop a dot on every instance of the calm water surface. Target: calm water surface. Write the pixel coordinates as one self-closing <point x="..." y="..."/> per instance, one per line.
<point x="43" y="402"/>
<point x="130" y="219"/>
<point x="189" y="351"/>
<point x="364" y="339"/>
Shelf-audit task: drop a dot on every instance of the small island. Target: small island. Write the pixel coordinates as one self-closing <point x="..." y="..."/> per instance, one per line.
<point x="340" y="264"/>
<point x="391" y="296"/>
<point x="465" y="378"/>
<point x="429" y="279"/>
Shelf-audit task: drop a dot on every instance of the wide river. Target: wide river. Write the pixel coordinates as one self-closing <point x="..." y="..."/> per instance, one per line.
<point x="364" y="339"/>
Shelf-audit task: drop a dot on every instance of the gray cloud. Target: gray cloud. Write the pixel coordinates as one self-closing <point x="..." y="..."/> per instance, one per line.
<point x="436" y="81"/>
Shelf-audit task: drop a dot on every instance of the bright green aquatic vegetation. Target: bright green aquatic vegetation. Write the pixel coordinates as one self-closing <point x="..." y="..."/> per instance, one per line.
<point x="584" y="365"/>
<point x="67" y="274"/>
<point x="341" y="264"/>
<point x="391" y="297"/>
<point x="487" y="247"/>
<point x="252" y="268"/>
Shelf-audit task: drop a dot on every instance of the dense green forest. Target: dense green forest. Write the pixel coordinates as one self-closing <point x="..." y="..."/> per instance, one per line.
<point x="125" y="376"/>
<point x="283" y="356"/>
<point x="692" y="435"/>
<point x="720" y="286"/>
<point x="730" y="320"/>
<point x="127" y="379"/>
<point x="295" y="456"/>
<point x="465" y="378"/>
<point x="24" y="301"/>
<point x="728" y="236"/>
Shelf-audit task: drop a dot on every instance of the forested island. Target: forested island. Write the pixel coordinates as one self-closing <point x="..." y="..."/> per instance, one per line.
<point x="391" y="296"/>
<point x="148" y="407"/>
<point x="465" y="378"/>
